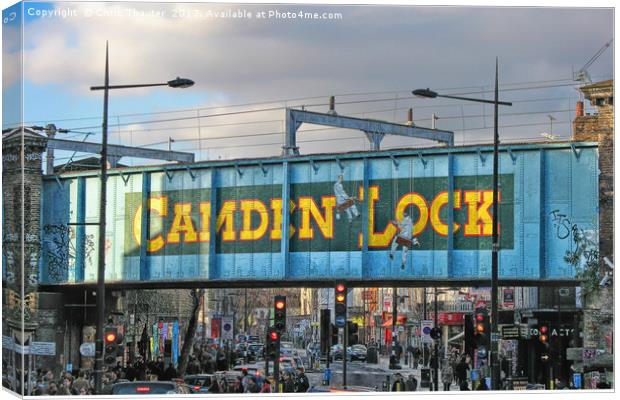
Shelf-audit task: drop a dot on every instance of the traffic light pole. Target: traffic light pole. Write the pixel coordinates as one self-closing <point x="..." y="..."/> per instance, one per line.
<point x="344" y="354"/>
<point x="276" y="367"/>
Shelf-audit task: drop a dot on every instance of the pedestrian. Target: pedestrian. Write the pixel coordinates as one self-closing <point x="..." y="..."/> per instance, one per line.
<point x="266" y="385"/>
<point x="170" y="373"/>
<point x="399" y="383"/>
<point x="221" y="361"/>
<point x="81" y="382"/>
<point x="484" y="370"/>
<point x="303" y="384"/>
<point x="411" y="384"/>
<point x="482" y="385"/>
<point x="447" y="374"/>
<point x="252" y="387"/>
<point x="416" y="357"/>
<point x="461" y="371"/>
<point x="289" y="385"/>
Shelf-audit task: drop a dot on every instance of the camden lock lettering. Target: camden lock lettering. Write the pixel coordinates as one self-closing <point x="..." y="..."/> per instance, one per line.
<point x="325" y="216"/>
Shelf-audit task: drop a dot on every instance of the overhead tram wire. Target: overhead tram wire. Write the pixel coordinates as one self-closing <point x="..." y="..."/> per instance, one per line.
<point x="231" y="137"/>
<point x="317" y="105"/>
<point x="278" y="101"/>
<point x="375" y="111"/>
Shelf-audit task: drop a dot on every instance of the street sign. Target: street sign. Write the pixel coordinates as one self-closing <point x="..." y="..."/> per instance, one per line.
<point x="8" y="343"/>
<point x="340" y="321"/>
<point x="43" y="348"/>
<point x="426" y="326"/>
<point x="87" y="349"/>
<point x="511" y="332"/>
<point x="227" y="328"/>
<point x="22" y="349"/>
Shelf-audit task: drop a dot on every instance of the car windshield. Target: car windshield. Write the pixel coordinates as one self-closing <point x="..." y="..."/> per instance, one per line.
<point x="143" y="388"/>
<point x="358" y="347"/>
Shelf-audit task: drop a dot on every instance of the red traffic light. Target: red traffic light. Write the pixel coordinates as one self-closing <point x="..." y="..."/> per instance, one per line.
<point x="110" y="337"/>
<point x="273" y="335"/>
<point x="340" y="288"/>
<point x="479" y="317"/>
<point x="280" y="305"/>
<point x="543" y="329"/>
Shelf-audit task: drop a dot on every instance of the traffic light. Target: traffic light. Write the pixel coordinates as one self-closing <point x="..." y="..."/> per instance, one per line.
<point x="481" y="328"/>
<point x="334" y="335"/>
<point x="543" y="335"/>
<point x="325" y="330"/>
<point x="470" y="342"/>
<point x="352" y="337"/>
<point x="111" y="341"/>
<point x="279" y="318"/>
<point x="273" y="343"/>
<point x="340" y="306"/>
<point x="436" y="333"/>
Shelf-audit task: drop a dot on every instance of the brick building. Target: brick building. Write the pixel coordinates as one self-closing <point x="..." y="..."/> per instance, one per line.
<point x="598" y="303"/>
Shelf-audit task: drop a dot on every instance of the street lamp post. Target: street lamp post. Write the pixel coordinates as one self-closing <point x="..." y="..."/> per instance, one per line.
<point x="436" y="347"/>
<point x="495" y="234"/>
<point x="175" y="83"/>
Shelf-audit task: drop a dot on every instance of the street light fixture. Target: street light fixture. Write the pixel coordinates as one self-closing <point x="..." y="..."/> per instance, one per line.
<point x="427" y="93"/>
<point x="175" y="83"/>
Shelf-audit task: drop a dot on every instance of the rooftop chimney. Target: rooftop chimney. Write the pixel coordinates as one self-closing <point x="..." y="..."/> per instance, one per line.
<point x="579" y="109"/>
<point x="410" y="117"/>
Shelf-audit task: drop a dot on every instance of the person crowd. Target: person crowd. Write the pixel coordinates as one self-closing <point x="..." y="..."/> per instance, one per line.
<point x="206" y="359"/>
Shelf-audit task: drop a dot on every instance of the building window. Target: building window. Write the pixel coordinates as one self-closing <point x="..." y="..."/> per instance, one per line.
<point x="610" y="101"/>
<point x="599" y="101"/>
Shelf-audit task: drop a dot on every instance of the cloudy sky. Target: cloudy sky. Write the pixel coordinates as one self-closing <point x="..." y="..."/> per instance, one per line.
<point x="369" y="57"/>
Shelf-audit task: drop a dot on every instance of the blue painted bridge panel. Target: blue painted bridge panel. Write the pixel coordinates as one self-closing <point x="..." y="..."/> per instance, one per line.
<point x="362" y="216"/>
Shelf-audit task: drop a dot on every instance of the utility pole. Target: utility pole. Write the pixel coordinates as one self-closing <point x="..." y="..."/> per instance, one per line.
<point x="394" y="321"/>
<point x="495" y="250"/>
<point x="99" y="351"/>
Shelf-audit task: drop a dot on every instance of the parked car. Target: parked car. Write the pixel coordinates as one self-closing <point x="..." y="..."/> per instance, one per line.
<point x="287" y="349"/>
<point x="357" y="352"/>
<point x="255" y="351"/>
<point x="231" y="379"/>
<point x="240" y="350"/>
<point x="337" y="352"/>
<point x="150" y="387"/>
<point x="199" y="383"/>
<point x="253" y="338"/>
<point x="293" y="362"/>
